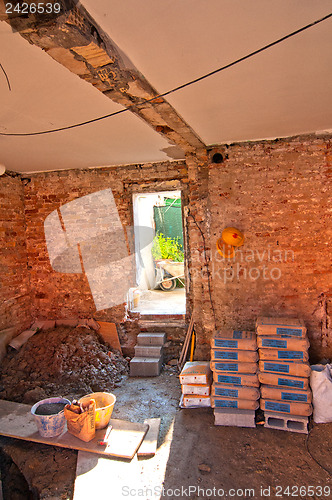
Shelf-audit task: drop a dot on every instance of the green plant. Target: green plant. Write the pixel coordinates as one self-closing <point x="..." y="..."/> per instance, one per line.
<point x="167" y="248"/>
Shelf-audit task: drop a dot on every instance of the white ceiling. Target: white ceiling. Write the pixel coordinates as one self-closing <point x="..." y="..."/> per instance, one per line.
<point x="283" y="91"/>
<point x="45" y="95"/>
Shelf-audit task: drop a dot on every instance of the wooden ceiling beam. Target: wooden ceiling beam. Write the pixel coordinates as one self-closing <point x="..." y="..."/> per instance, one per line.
<point x="74" y="40"/>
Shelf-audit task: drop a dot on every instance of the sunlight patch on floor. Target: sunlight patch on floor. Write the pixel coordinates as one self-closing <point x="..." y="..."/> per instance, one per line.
<point x="160" y="302"/>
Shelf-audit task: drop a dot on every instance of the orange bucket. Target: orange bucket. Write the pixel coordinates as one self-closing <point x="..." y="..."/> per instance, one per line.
<point x="105" y="402"/>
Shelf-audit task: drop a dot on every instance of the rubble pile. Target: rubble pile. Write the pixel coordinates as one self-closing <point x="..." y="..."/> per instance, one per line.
<point x="63" y="361"/>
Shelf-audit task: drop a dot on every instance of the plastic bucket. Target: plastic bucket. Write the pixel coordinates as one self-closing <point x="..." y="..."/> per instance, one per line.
<point x="105" y="402"/>
<point x="50" y="425"/>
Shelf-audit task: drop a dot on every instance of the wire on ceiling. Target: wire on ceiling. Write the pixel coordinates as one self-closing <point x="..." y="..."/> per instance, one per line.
<point x="175" y="89"/>
<point x="4" y="72"/>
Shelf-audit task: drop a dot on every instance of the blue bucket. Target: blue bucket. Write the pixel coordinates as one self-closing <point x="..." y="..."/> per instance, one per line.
<point x="50" y="425"/>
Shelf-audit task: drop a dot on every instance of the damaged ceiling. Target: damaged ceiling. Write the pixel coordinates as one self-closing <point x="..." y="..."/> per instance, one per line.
<point x="282" y="91"/>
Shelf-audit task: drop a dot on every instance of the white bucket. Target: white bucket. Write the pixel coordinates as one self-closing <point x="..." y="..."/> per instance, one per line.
<point x="50" y="425"/>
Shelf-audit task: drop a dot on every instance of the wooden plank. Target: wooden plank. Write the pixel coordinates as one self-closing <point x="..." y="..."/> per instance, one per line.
<point x="125" y="437"/>
<point x="95" y="55"/>
<point x="149" y="443"/>
<point x="110" y="334"/>
<point x="186" y="342"/>
<point x="183" y="354"/>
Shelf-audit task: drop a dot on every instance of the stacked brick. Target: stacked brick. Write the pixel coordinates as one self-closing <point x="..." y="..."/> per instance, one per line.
<point x="235" y="385"/>
<point x="284" y="373"/>
<point x="195" y="379"/>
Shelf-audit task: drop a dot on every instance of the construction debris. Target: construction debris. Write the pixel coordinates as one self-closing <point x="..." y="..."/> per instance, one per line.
<point x="64" y="360"/>
<point x="21" y="339"/>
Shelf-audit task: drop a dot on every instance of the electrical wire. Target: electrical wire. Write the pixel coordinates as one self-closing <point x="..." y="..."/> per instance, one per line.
<point x="314" y="459"/>
<point x="175" y="89"/>
<point x="4" y="72"/>
<point x="207" y="267"/>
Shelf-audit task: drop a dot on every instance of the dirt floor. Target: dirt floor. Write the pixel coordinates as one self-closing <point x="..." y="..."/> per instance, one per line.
<point x="50" y="471"/>
<point x="195" y="459"/>
<point x="192" y="453"/>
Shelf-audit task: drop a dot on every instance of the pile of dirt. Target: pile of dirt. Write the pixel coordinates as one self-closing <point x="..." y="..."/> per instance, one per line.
<point x="64" y="361"/>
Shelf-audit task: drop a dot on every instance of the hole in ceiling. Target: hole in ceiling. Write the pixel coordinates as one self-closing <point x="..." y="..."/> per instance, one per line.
<point x="217" y="158"/>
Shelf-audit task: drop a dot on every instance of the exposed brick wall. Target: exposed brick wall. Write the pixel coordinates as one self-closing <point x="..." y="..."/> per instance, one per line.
<point x="64" y="295"/>
<point x="197" y="232"/>
<point x="279" y="194"/>
<point x="276" y="192"/>
<point x="14" y="276"/>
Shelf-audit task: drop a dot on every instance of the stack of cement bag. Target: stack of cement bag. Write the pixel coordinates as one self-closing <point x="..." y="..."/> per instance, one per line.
<point x="235" y="385"/>
<point x="195" y="379"/>
<point x="284" y="373"/>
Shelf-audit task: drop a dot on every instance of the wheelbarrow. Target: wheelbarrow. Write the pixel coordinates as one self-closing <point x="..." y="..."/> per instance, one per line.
<point x="167" y="274"/>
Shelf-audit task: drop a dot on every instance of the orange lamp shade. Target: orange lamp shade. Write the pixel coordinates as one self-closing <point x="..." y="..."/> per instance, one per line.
<point x="232" y="236"/>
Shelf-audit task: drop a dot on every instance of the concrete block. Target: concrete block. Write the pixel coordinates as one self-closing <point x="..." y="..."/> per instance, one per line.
<point x="145" y="367"/>
<point x="151" y="339"/>
<point x="234" y="418"/>
<point x="150" y="351"/>
<point x="285" y="422"/>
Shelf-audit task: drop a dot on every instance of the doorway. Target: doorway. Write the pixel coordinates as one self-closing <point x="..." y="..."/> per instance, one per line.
<point x="159" y="252"/>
